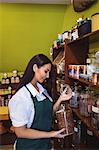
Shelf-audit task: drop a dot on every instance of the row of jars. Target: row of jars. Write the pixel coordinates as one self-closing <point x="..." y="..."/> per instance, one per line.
<point x="4" y="101"/>
<point x="14" y="78"/>
<point x="85" y="99"/>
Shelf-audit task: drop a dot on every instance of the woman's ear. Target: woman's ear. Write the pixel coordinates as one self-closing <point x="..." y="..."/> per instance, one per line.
<point x="35" y="67"/>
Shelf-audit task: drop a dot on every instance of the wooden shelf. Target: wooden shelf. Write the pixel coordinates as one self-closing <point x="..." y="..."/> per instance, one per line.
<point x="85" y="82"/>
<point x="4" y="86"/>
<point x="92" y="37"/>
<point x="86" y="121"/>
<point x="56" y="51"/>
<point x="4" y="113"/>
<point x="4" y="117"/>
<point x="76" y="53"/>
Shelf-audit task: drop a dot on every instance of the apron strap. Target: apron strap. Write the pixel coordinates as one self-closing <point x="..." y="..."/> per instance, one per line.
<point x="30" y="92"/>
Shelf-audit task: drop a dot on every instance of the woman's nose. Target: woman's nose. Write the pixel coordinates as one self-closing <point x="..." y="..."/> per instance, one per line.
<point x="47" y="75"/>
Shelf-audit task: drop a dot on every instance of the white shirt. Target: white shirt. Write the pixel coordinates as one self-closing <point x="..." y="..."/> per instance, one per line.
<point x="21" y="107"/>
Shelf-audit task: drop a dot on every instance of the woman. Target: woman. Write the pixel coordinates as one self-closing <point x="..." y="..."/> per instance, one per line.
<point x="31" y="107"/>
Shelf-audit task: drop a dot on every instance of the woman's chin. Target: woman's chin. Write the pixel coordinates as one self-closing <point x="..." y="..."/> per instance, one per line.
<point x="41" y="81"/>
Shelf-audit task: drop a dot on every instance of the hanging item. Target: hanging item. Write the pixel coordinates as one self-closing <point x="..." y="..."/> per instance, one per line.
<point x="80" y="5"/>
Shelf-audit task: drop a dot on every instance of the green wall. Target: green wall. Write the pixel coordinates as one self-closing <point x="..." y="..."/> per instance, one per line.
<point x="71" y="16"/>
<point x="26" y="30"/>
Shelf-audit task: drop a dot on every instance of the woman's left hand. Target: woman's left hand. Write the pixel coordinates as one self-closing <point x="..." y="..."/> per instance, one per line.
<point x="66" y="94"/>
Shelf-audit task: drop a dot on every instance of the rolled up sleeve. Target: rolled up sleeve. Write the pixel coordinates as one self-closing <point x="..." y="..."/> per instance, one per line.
<point x="18" y="110"/>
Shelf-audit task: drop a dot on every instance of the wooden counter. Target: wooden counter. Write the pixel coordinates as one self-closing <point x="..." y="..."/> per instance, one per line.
<point x="4" y="113"/>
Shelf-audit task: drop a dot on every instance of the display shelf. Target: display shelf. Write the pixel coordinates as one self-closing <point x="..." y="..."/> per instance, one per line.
<point x="92" y="37"/>
<point x="85" y="82"/>
<point x="56" y="51"/>
<point x="86" y="121"/>
<point x="6" y="137"/>
<point x="4" y="117"/>
<point x="6" y="94"/>
<point x="4" y="86"/>
<point x="76" y="53"/>
<point x="4" y="113"/>
<point x="14" y="86"/>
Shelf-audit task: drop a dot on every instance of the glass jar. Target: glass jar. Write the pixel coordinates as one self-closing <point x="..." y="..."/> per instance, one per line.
<point x="77" y="132"/>
<point x="83" y="104"/>
<point x="95" y="115"/>
<point x="65" y="120"/>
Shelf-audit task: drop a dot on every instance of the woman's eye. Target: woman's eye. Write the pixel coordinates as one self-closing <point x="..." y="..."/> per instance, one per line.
<point x="45" y="71"/>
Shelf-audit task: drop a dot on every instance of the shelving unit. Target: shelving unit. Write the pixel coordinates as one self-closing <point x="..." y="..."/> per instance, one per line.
<point x="85" y="82"/>
<point x="76" y="53"/>
<point x="7" y="137"/>
<point x="86" y="121"/>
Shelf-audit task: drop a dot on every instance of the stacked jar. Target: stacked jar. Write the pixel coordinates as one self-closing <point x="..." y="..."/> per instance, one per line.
<point x="95" y="114"/>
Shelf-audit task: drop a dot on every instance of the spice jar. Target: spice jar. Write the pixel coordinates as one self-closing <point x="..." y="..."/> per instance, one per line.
<point x="95" y="78"/>
<point x="95" y="115"/>
<point x="83" y="105"/>
<point x="65" y="120"/>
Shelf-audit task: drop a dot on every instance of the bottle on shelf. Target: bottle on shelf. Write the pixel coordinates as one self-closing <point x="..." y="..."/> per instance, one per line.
<point x="95" y="113"/>
<point x="15" y="78"/>
<point x="74" y="32"/>
<point x="5" y="79"/>
<point x="77" y="132"/>
<point x="83" y="103"/>
<point x="74" y="100"/>
<point x="67" y="35"/>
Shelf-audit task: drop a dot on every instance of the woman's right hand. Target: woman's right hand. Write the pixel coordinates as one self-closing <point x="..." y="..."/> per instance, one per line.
<point x="66" y="94"/>
<point x="58" y="134"/>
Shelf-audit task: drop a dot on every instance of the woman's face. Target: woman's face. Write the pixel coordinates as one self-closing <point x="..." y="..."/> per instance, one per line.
<point x="42" y="73"/>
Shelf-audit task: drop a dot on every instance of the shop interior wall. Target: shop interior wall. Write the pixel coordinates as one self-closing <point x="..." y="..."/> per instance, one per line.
<point x="71" y="16"/>
<point x="26" y="30"/>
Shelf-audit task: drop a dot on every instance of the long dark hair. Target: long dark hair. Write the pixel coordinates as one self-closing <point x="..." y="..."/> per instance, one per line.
<point x="39" y="60"/>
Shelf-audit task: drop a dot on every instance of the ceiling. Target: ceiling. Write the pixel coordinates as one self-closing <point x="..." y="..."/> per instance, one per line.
<point x="38" y="1"/>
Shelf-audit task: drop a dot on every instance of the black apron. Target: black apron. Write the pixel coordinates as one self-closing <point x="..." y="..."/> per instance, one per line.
<point x="42" y="121"/>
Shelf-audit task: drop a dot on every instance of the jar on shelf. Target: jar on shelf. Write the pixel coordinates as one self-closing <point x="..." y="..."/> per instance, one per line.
<point x="74" y="33"/>
<point x="95" y="114"/>
<point x="60" y="38"/>
<point x="5" y="79"/>
<point x="75" y="96"/>
<point x="77" y="132"/>
<point x="95" y="78"/>
<point x="83" y="104"/>
<point x="67" y="35"/>
<point x="15" y="77"/>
